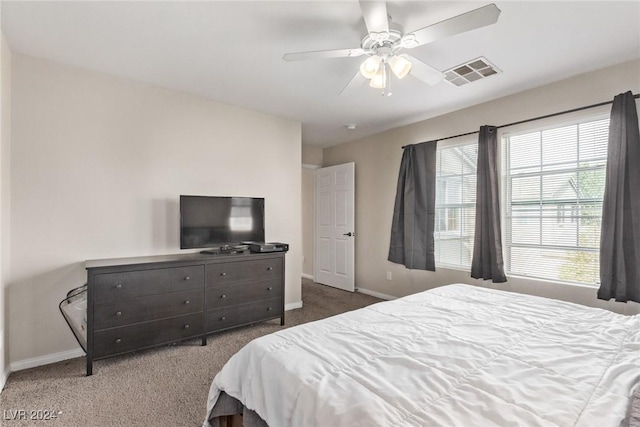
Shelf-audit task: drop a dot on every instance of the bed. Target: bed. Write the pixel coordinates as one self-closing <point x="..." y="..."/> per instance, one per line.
<point x="457" y="355"/>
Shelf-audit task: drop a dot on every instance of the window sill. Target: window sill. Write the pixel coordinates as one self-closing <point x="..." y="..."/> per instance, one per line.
<point x="553" y="282"/>
<point x="520" y="277"/>
<point x="454" y="267"/>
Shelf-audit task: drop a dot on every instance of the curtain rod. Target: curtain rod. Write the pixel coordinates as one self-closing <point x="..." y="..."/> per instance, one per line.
<point x="600" y="104"/>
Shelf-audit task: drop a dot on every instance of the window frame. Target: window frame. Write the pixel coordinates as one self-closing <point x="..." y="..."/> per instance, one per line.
<point x="574" y="119"/>
<point x="450" y="144"/>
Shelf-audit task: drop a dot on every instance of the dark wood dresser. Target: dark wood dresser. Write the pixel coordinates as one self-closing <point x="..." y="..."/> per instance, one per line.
<point x="137" y="303"/>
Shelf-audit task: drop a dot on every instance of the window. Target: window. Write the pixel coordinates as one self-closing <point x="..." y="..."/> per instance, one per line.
<point x="554" y="185"/>
<point x="455" y="204"/>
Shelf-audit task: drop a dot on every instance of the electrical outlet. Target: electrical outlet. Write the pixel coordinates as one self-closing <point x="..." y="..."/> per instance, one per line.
<point x="389" y="276"/>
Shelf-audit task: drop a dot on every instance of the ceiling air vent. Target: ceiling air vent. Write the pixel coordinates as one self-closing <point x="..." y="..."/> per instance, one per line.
<point x="471" y="71"/>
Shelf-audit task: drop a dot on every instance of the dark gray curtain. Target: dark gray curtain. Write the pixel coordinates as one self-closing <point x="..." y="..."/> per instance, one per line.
<point x="487" y="262"/>
<point x="620" y="233"/>
<point x="414" y="210"/>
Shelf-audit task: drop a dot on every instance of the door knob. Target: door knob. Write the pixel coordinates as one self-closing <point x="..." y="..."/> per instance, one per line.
<point x="349" y="234"/>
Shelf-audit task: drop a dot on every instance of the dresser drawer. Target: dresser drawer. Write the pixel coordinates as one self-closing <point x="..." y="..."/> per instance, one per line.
<point x="117" y="286"/>
<point x="147" y="308"/>
<point x="128" y="338"/>
<point x="240" y="293"/>
<point x="237" y="272"/>
<point x="228" y="317"/>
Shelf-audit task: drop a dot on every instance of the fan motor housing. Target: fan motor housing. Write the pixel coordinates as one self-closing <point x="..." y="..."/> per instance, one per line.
<point x="373" y="42"/>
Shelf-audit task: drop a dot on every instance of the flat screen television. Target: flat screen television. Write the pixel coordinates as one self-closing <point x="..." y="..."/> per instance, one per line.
<point x="218" y="222"/>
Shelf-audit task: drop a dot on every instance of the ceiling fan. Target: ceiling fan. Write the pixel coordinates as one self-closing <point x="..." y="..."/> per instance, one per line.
<point x="386" y="40"/>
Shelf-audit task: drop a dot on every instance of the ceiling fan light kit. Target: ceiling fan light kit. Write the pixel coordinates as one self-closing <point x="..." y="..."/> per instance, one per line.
<point x="385" y="40"/>
<point x="376" y="69"/>
<point x="379" y="79"/>
<point x="400" y="65"/>
<point x="369" y="68"/>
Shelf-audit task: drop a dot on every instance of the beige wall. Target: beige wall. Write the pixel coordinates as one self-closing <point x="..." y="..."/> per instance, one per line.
<point x="5" y="138"/>
<point x="98" y="163"/>
<point x="377" y="161"/>
<point x="311" y="155"/>
<point x="311" y="158"/>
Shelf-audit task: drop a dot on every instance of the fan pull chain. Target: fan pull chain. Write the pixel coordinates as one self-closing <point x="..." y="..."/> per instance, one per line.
<point x="387" y="87"/>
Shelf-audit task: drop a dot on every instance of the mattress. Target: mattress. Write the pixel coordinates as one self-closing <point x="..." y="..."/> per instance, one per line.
<point x="457" y="355"/>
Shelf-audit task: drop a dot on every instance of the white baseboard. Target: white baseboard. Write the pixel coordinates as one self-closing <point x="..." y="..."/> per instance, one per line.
<point x="375" y="294"/>
<point x="308" y="276"/>
<point x="293" y="306"/>
<point x="45" y="360"/>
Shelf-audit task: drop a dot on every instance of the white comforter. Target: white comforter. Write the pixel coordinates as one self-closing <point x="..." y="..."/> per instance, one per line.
<point x="453" y="356"/>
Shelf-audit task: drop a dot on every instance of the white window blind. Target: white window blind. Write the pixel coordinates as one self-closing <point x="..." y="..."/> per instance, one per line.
<point x="554" y="181"/>
<point x="455" y="204"/>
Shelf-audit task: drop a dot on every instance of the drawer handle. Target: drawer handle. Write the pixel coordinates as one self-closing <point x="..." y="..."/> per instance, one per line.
<point x="187" y="302"/>
<point x="187" y="278"/>
<point x="186" y="326"/>
<point x="118" y="313"/>
<point x="118" y="285"/>
<point x="118" y="340"/>
<point x="270" y="288"/>
<point x="223" y="318"/>
<point x="223" y="296"/>
<point x="269" y="268"/>
<point x="268" y="308"/>
<point x="223" y="274"/>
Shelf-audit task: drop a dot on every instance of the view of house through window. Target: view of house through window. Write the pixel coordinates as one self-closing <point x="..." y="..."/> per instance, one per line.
<point x="455" y="204"/>
<point x="553" y="185"/>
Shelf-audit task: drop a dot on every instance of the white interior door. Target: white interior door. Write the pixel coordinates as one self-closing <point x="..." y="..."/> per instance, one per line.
<point x="335" y="226"/>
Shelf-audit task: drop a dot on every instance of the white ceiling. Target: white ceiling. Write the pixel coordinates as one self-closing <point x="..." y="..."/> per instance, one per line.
<point x="231" y="51"/>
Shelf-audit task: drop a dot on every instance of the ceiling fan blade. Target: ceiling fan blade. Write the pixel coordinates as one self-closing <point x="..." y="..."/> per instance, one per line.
<point x="424" y="72"/>
<point x="320" y="54"/>
<point x="375" y="16"/>
<point x="356" y="82"/>
<point x="476" y="18"/>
